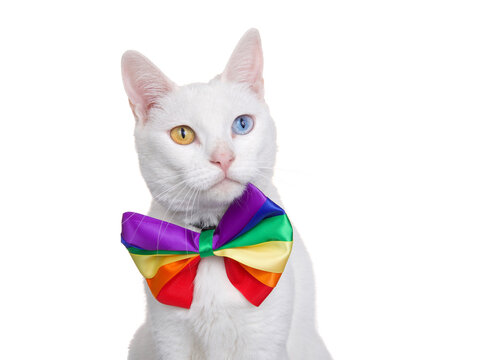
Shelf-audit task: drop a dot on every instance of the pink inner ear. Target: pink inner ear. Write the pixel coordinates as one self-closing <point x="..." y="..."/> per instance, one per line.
<point x="144" y="83"/>
<point x="246" y="62"/>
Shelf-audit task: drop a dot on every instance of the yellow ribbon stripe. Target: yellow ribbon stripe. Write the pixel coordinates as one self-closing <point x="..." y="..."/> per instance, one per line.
<point x="269" y="256"/>
<point x="150" y="264"/>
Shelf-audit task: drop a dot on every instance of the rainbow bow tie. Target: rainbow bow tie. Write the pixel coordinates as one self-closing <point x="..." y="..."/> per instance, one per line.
<point x="254" y="237"/>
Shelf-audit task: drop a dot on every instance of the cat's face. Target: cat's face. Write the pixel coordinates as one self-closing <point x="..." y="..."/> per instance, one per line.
<point x="214" y="168"/>
<point x="200" y="144"/>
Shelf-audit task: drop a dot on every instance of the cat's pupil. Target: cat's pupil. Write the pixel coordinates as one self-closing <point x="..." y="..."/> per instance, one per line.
<point x="242" y="123"/>
<point x="182" y="133"/>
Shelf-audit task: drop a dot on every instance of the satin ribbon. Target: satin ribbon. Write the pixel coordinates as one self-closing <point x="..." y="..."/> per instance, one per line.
<point x="254" y="237"/>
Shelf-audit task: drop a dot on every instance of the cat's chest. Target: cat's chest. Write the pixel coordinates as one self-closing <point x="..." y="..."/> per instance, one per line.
<point x="220" y="319"/>
<point x="212" y="288"/>
<point x="218" y="308"/>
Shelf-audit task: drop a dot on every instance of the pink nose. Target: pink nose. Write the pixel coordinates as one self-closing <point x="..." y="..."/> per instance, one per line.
<point x="222" y="159"/>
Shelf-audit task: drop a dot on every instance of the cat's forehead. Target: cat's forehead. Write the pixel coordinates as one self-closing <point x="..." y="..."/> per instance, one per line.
<point x="203" y="103"/>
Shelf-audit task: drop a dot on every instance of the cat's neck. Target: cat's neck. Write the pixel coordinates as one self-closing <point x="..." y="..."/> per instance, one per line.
<point x="195" y="220"/>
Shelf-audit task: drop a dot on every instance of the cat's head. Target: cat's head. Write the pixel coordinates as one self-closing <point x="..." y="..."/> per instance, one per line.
<point x="200" y="144"/>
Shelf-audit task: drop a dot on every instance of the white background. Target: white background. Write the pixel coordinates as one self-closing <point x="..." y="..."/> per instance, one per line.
<point x="390" y="118"/>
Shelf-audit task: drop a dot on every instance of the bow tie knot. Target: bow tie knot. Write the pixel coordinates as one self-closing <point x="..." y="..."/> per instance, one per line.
<point x="205" y="243"/>
<point x="254" y="237"/>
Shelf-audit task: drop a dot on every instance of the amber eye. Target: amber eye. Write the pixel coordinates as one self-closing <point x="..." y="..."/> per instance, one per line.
<point x="182" y="135"/>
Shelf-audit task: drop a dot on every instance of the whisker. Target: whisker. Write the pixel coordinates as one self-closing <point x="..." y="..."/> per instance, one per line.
<point x="164" y="216"/>
<point x="165" y="192"/>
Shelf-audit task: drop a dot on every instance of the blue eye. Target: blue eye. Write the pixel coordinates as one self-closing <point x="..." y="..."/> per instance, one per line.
<point x="242" y="124"/>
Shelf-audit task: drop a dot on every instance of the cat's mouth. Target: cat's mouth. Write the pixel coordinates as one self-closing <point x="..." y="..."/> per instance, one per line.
<point x="226" y="181"/>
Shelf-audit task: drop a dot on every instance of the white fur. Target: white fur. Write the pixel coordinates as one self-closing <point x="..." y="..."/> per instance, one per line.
<point x="188" y="188"/>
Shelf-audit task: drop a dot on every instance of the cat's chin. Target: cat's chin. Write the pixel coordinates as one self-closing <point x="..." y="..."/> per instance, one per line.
<point x="225" y="191"/>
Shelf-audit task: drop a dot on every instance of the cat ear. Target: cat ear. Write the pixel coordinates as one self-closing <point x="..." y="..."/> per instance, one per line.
<point x="246" y="63"/>
<point x="144" y="83"/>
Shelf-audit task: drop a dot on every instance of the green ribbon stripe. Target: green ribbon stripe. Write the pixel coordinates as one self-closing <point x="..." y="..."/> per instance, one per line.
<point x="276" y="228"/>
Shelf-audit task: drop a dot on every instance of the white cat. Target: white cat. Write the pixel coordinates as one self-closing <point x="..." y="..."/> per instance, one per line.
<point x="228" y="140"/>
